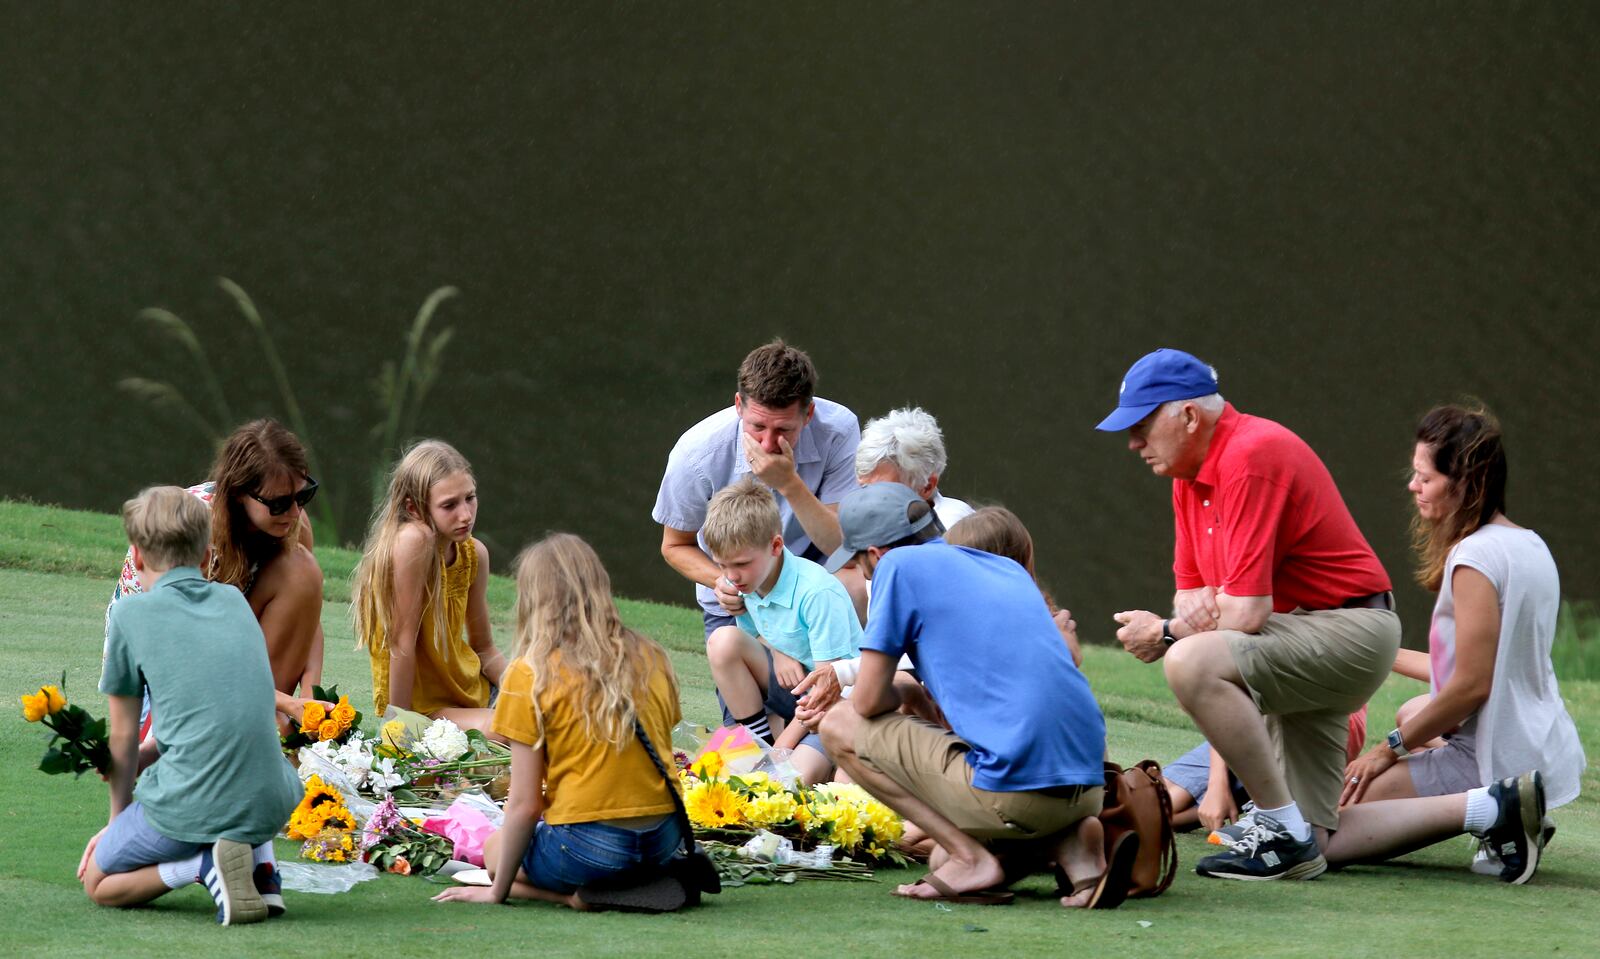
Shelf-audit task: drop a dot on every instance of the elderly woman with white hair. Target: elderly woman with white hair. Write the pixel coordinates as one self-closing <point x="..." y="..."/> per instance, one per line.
<point x="907" y="446"/>
<point x="902" y="446"/>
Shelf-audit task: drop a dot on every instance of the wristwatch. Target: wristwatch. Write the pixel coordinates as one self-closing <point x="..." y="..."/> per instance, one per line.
<point x="1167" y="639"/>
<point x="1397" y="743"/>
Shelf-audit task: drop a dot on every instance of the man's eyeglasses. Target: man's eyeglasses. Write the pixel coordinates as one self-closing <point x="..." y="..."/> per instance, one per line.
<point x="278" y="505"/>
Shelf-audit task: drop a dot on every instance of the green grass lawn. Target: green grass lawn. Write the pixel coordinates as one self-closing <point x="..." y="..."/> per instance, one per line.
<point x="56" y="570"/>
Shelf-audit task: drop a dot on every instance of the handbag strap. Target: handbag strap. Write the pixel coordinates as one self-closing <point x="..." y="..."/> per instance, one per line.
<point x="672" y="787"/>
<point x="1169" y="843"/>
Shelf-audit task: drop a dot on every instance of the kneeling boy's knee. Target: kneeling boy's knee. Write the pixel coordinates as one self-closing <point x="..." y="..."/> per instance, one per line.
<point x="92" y="887"/>
<point x="725" y="644"/>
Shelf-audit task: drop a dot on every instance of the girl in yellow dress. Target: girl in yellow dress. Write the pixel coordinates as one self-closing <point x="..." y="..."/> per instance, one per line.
<point x="421" y="593"/>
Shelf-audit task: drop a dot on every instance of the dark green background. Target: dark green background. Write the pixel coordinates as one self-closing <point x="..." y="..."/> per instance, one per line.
<point x="1354" y="211"/>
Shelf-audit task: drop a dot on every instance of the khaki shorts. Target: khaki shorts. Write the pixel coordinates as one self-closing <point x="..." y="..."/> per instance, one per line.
<point x="930" y="762"/>
<point x="1307" y="672"/>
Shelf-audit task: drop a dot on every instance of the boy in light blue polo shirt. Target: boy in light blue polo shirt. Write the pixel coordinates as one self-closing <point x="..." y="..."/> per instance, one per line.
<point x="206" y="810"/>
<point x="796" y="617"/>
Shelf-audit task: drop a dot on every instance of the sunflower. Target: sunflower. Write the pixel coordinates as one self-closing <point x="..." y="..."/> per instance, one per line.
<point x="712" y="805"/>
<point x="320" y="804"/>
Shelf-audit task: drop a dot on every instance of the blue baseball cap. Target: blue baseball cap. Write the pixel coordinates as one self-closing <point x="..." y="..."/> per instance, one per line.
<point x="1157" y="378"/>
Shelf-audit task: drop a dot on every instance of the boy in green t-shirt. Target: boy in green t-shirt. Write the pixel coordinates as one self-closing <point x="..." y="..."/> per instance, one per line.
<point x="207" y="809"/>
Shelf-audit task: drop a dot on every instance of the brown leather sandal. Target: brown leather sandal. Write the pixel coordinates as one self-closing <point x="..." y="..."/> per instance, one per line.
<point x="1111" y="887"/>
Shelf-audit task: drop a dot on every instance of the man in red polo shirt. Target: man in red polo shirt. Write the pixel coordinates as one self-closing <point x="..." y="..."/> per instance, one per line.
<point x="1283" y="620"/>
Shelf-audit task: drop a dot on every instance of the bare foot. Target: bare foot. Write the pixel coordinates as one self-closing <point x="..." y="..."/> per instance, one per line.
<point x="1081" y="854"/>
<point x="1078" y="900"/>
<point x="959" y="876"/>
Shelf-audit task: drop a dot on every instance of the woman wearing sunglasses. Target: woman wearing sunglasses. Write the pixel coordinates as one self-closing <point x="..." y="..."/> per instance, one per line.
<point x="261" y="543"/>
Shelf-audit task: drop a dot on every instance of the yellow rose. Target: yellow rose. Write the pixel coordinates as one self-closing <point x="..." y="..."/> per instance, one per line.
<point x="55" y="702"/>
<point x="312" y="717"/>
<point x="328" y="730"/>
<point x="34" y="707"/>
<point x="344" y="714"/>
<point x="392" y="731"/>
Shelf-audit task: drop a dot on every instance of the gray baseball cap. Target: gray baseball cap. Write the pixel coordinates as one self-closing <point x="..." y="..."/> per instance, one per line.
<point x="875" y="515"/>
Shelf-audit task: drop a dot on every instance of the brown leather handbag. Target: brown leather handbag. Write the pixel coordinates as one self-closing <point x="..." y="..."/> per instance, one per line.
<point x="1137" y="801"/>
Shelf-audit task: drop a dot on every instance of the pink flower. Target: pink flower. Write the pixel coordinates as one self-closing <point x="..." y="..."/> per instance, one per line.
<point x="385" y="819"/>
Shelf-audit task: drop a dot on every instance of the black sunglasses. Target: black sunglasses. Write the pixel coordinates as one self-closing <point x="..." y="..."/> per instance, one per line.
<point x="279" y="505"/>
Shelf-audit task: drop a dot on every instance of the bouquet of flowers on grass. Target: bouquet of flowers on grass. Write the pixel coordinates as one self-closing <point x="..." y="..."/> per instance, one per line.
<point x="319" y="724"/>
<point x="737" y="805"/>
<point x="323" y="824"/>
<point x="394" y="843"/>
<point x="357" y="760"/>
<point x="77" y="740"/>
<point x="438" y="760"/>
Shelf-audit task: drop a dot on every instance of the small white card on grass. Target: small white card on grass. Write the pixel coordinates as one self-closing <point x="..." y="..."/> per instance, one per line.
<point x="473" y="877"/>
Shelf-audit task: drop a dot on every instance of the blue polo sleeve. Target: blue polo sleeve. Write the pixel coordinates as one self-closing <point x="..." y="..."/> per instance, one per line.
<point x="120" y="675"/>
<point x="893" y="621"/>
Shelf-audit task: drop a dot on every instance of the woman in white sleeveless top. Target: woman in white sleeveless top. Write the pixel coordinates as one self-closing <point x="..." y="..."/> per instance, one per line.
<point x="1491" y="740"/>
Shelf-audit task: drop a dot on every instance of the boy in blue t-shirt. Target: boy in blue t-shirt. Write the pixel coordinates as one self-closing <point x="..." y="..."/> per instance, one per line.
<point x="796" y="617"/>
<point x="206" y="810"/>
<point x="1018" y="779"/>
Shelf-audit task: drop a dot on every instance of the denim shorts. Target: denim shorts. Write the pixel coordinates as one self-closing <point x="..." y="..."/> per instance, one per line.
<point x="1192" y="773"/>
<point x="562" y="858"/>
<point x="132" y="843"/>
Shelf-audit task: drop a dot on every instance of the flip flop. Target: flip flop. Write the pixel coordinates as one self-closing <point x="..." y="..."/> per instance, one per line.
<point x="981" y="897"/>
<point x="1110" y="887"/>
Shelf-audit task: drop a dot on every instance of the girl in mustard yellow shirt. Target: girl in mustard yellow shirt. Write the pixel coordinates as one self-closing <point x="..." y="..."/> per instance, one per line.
<point x="568" y="705"/>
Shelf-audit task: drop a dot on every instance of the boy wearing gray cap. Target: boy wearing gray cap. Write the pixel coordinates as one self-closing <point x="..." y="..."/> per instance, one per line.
<point x="1018" y="778"/>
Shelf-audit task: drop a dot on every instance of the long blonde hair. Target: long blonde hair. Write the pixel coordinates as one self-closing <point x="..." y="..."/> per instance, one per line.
<point x="372" y="597"/>
<point x="569" y="630"/>
<point x="251" y="454"/>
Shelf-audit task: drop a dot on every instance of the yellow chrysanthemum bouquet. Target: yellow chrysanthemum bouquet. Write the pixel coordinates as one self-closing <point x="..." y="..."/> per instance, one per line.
<point x="77" y="740"/>
<point x="320" y="724"/>
<point x="731" y="805"/>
